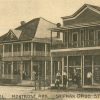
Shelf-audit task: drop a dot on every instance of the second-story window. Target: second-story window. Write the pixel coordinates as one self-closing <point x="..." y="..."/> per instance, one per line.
<point x="16" y="47"/>
<point x="40" y="47"/>
<point x="27" y="46"/>
<point x="91" y="34"/>
<point x="75" y="37"/>
<point x="8" y="47"/>
<point x="98" y="35"/>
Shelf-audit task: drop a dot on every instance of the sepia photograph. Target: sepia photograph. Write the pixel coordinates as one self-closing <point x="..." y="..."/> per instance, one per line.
<point x="49" y="50"/>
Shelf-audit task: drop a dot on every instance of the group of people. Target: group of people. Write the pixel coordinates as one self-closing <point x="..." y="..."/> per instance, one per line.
<point x="63" y="78"/>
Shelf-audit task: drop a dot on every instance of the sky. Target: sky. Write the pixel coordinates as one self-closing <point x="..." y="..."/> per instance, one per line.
<point x="12" y="12"/>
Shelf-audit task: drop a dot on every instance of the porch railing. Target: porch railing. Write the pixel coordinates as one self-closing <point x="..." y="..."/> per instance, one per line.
<point x="39" y="53"/>
<point x="26" y="53"/>
<point x="16" y="53"/>
<point x="77" y="44"/>
<point x="7" y="54"/>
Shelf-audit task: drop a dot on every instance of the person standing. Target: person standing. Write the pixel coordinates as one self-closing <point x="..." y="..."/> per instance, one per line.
<point x="89" y="78"/>
<point x="58" y="79"/>
<point x="64" y="79"/>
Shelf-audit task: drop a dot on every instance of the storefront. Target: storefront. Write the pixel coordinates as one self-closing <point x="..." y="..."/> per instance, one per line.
<point x="87" y="65"/>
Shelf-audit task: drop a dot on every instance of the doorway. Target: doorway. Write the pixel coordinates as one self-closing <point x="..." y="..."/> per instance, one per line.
<point x="72" y="72"/>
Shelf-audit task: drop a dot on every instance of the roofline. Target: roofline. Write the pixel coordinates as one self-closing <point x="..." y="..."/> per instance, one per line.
<point x="64" y="28"/>
<point x="34" y="19"/>
<point x="26" y="23"/>
<point x="80" y="9"/>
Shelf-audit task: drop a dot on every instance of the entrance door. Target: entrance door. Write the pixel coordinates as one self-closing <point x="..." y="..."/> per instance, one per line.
<point x="72" y="72"/>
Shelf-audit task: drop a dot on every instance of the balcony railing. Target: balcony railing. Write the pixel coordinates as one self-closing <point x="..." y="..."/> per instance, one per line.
<point x="17" y="53"/>
<point x="77" y="44"/>
<point x="26" y="53"/>
<point x="39" y="53"/>
<point x="7" y="54"/>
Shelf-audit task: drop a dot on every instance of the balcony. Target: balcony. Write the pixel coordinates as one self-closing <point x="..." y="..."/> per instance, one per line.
<point x="77" y="44"/>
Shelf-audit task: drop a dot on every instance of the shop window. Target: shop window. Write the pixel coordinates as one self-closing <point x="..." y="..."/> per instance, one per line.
<point x="88" y="60"/>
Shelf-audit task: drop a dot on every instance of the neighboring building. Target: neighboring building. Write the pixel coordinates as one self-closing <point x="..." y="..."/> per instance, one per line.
<point x="27" y="48"/>
<point x="80" y="50"/>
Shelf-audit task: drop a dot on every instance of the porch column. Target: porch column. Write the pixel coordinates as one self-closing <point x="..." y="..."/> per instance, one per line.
<point x="21" y="69"/>
<point x="3" y="50"/>
<point x="62" y="68"/>
<point x="31" y="48"/>
<point x="67" y="70"/>
<point x="12" y="70"/>
<point x="21" y="49"/>
<point x="51" y="39"/>
<point x="45" y="69"/>
<point x="92" y="69"/>
<point x="34" y="49"/>
<point x="31" y="68"/>
<point x="51" y="69"/>
<point x="58" y="65"/>
<point x="12" y="49"/>
<point x="45" y="49"/>
<point x="3" y="69"/>
<point x="83" y="70"/>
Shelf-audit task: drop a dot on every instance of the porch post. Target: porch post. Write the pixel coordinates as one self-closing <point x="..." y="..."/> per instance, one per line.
<point x="51" y="69"/>
<point x="67" y="70"/>
<point x="58" y="65"/>
<point x="21" y="70"/>
<point x="31" y="48"/>
<point x="12" y="70"/>
<point x="83" y="70"/>
<point x="62" y="68"/>
<point x="51" y="39"/>
<point x="92" y="68"/>
<point x="34" y="49"/>
<point x="12" y="49"/>
<point x="21" y="49"/>
<point x="45" y="49"/>
<point x="31" y="68"/>
<point x="3" y="69"/>
<point x="45" y="69"/>
<point x="3" y="50"/>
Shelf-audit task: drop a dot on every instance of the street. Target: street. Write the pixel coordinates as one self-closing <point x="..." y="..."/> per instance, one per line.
<point x="28" y="93"/>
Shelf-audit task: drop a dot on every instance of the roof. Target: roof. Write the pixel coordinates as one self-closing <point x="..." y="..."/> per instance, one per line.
<point x="26" y="31"/>
<point x="80" y="9"/>
<point x="29" y="29"/>
<point x="16" y="32"/>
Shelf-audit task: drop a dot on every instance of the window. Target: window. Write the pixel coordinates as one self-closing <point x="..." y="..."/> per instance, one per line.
<point x="98" y="35"/>
<point x="16" y="47"/>
<point x="75" y="37"/>
<point x="27" y="46"/>
<point x="8" y="48"/>
<point x="91" y="34"/>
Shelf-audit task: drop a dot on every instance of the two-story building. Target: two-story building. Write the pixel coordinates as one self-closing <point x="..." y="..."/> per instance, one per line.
<point x="27" y="48"/>
<point x="80" y="49"/>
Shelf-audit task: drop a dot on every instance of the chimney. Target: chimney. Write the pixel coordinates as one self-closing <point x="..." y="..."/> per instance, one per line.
<point x="58" y="33"/>
<point x="22" y="23"/>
